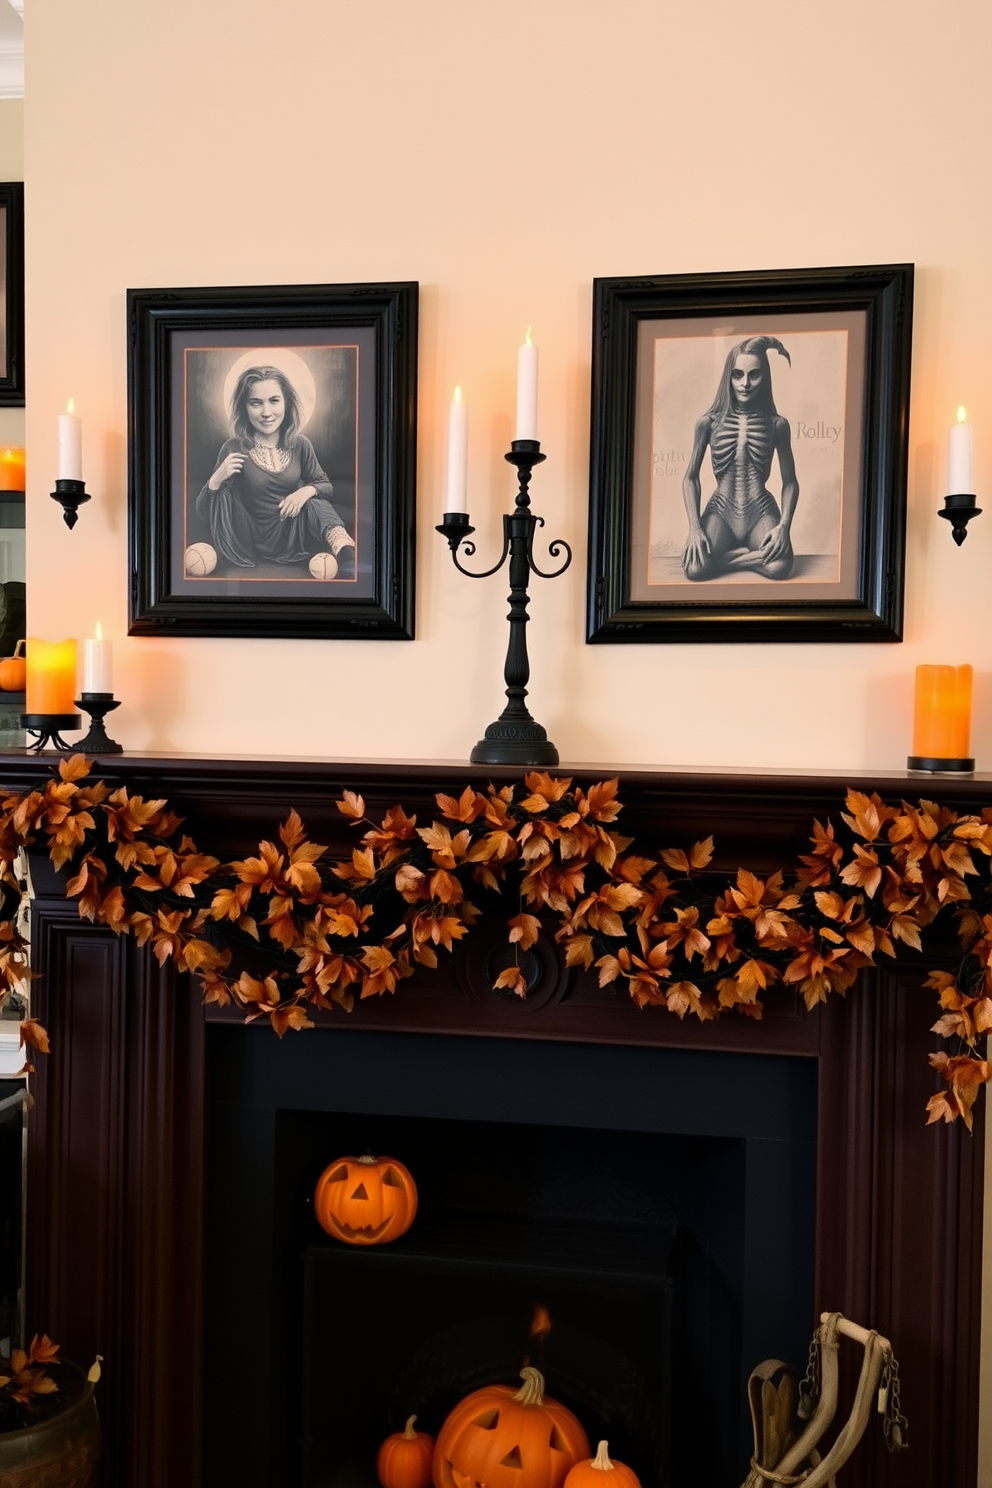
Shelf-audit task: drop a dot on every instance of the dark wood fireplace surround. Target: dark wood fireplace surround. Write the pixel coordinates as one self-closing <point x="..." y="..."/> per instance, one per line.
<point x="115" y="1178"/>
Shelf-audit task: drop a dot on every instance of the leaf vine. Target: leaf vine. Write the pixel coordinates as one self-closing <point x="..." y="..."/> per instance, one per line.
<point x="676" y="933"/>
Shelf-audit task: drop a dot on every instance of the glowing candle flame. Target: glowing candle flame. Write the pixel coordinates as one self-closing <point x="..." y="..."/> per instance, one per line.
<point x="541" y="1326"/>
<point x="962" y="415"/>
<point x="71" y="406"/>
<point x="458" y="395"/>
<point x="529" y="342"/>
<point x="99" y="631"/>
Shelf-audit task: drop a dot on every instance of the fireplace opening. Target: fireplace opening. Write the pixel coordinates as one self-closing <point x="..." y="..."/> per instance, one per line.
<point x="659" y="1204"/>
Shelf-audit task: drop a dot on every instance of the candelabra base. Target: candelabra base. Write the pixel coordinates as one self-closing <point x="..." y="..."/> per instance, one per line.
<point x="937" y="766"/>
<point x="98" y="705"/>
<point x="524" y="743"/>
<point x="45" y="728"/>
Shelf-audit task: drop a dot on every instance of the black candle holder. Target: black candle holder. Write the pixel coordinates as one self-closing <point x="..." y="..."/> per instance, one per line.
<point x="959" y="510"/>
<point x="938" y="766"/>
<point x="70" y="494"/>
<point x="515" y="738"/>
<point x="46" y="726"/>
<point x="98" y="705"/>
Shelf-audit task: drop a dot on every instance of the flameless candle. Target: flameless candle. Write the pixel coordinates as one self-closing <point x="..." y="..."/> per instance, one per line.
<point x="11" y="470"/>
<point x="70" y="445"/>
<point x="942" y="717"/>
<point x="455" y="500"/>
<point x="51" y="685"/>
<point x="98" y="664"/>
<point x="527" y="390"/>
<point x="960" y="479"/>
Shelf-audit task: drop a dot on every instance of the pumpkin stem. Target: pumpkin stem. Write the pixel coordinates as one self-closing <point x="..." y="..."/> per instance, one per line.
<point x="601" y="1460"/>
<point x="368" y="1159"/>
<point x="408" y="1430"/>
<point x="532" y="1390"/>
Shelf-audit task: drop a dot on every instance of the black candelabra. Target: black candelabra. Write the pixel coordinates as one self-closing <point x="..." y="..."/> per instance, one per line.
<point x="515" y="738"/>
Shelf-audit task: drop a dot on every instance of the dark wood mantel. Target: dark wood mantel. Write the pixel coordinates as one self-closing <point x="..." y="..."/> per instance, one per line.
<point x="116" y="1142"/>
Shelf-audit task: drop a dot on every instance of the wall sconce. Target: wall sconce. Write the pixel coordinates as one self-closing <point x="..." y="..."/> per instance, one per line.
<point x="70" y="488"/>
<point x="960" y="505"/>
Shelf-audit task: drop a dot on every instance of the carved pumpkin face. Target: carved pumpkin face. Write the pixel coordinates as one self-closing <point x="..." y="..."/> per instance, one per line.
<point x="366" y="1200"/>
<point x="503" y="1438"/>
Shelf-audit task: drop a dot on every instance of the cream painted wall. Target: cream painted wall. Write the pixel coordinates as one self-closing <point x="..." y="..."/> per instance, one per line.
<point x="11" y="169"/>
<point x="504" y="156"/>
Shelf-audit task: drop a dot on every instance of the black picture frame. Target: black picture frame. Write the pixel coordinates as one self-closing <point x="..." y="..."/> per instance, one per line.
<point x="352" y="349"/>
<point x="654" y="342"/>
<point x="12" y="294"/>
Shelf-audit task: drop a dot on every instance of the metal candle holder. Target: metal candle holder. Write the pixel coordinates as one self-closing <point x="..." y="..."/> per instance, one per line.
<point x="98" y="705"/>
<point x="515" y="738"/>
<point x="46" y="729"/>
<point x="70" y="494"/>
<point x="959" y="510"/>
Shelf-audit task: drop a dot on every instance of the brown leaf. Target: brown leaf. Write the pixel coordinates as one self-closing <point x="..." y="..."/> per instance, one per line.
<point x="526" y="929"/>
<point x="351" y="805"/>
<point x="34" y="1036"/>
<point x="513" y="979"/>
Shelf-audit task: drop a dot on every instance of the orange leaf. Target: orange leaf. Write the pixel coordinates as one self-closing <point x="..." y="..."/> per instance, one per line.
<point x="351" y="805"/>
<point x="34" y="1036"/>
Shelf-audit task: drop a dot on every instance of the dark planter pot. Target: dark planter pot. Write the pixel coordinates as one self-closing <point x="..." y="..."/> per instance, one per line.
<point x="61" y="1451"/>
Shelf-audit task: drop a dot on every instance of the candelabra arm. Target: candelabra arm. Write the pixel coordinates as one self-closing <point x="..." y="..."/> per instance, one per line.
<point x="455" y="528"/>
<point x="554" y="548"/>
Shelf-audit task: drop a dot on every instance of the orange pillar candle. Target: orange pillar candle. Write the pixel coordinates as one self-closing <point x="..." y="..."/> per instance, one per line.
<point x="51" y="685"/>
<point x="11" y="469"/>
<point x="942" y="719"/>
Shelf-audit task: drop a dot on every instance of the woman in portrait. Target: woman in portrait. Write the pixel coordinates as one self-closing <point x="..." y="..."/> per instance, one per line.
<point x="742" y="528"/>
<point x="269" y="501"/>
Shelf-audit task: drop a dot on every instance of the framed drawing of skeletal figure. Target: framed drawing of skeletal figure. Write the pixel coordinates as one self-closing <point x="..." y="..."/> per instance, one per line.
<point x="748" y="472"/>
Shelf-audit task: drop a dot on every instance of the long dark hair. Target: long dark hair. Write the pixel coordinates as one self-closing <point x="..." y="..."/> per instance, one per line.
<point x="240" y="425"/>
<point x="758" y="346"/>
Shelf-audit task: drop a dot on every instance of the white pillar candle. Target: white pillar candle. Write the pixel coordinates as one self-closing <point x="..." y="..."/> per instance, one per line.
<point x="456" y="497"/>
<point x="98" y="664"/>
<point x="527" y="391"/>
<point x="960" y="478"/>
<point x="70" y="445"/>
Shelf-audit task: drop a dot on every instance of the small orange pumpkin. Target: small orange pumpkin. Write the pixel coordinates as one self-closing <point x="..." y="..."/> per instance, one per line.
<point x="586" y="1474"/>
<point x="405" y="1458"/>
<point x="509" y="1439"/>
<point x="13" y="671"/>
<point x="366" y="1200"/>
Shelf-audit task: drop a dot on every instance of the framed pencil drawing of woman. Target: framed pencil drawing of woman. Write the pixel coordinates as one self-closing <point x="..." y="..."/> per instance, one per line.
<point x="272" y="460"/>
<point x="748" y="472"/>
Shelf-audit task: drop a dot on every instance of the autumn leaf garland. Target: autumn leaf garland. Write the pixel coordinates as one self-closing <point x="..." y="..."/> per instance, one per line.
<point x="674" y="932"/>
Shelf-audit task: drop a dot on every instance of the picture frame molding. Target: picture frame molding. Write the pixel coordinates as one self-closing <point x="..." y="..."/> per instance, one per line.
<point x="12" y="368"/>
<point x="154" y="317"/>
<point x="884" y="293"/>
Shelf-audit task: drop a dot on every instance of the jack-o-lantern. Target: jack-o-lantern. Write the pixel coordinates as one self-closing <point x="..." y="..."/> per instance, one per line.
<point x="586" y="1474"/>
<point x="366" y="1200"/>
<point x="405" y="1458"/>
<point x="508" y="1439"/>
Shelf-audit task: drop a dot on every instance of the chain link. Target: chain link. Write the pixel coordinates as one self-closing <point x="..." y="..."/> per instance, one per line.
<point x="809" y="1390"/>
<point x="894" y="1423"/>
